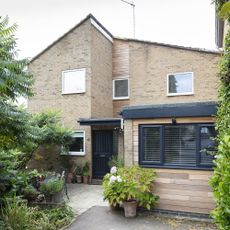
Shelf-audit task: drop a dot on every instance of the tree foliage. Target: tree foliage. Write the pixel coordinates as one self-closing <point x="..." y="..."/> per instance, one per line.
<point x="223" y="9"/>
<point x="221" y="178"/>
<point x="15" y="81"/>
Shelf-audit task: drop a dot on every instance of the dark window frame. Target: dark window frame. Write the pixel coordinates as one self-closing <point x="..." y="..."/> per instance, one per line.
<point x="162" y="147"/>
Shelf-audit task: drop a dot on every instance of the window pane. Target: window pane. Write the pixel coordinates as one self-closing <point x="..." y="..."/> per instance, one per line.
<point x="121" y="88"/>
<point x="73" y="81"/>
<point x="78" y="143"/>
<point x="180" y="83"/>
<point x="207" y="144"/>
<point x="151" y="144"/>
<point x="180" y="145"/>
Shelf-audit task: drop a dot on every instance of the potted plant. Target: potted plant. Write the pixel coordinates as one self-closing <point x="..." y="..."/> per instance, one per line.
<point x="53" y="189"/>
<point x="30" y="193"/>
<point x="70" y="175"/>
<point x="130" y="186"/>
<point x="78" y="172"/>
<point x="86" y="172"/>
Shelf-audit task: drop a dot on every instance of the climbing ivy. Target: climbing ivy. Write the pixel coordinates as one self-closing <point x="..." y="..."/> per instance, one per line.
<point x="221" y="178"/>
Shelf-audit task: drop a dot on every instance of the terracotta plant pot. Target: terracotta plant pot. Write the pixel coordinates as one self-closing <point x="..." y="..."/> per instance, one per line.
<point x="130" y="208"/>
<point x="69" y="178"/>
<point x="79" y="179"/>
<point x="85" y="179"/>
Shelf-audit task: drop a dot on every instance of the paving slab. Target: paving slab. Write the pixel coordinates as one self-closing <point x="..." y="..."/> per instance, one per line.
<point x="102" y="218"/>
<point x="83" y="196"/>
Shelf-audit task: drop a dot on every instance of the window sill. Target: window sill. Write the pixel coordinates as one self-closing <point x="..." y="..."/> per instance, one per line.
<point x="179" y="94"/>
<point x="120" y="98"/>
<point x="72" y="93"/>
<point x="73" y="154"/>
<point x="208" y="168"/>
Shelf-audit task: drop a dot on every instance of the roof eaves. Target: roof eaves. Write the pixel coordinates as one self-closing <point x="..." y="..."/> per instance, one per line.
<point x="170" y="45"/>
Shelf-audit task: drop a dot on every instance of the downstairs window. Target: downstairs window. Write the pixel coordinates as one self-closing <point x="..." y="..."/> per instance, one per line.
<point x="187" y="145"/>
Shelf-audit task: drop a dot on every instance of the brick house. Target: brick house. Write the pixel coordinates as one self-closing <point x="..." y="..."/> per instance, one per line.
<point x="151" y="103"/>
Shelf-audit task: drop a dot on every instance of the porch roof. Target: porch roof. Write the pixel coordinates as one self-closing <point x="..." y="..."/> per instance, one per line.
<point x="198" y="109"/>
<point x="100" y="121"/>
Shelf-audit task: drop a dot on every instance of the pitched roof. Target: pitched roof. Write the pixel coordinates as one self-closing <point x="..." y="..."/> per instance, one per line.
<point x="94" y="22"/>
<point x="107" y="34"/>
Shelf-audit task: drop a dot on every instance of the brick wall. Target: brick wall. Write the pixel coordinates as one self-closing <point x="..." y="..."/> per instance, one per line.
<point x="150" y="64"/>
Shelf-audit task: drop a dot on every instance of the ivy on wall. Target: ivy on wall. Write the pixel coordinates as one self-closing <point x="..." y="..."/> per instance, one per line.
<point x="221" y="178"/>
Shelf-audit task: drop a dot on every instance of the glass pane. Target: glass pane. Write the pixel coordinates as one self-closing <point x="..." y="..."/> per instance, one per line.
<point x="77" y="145"/>
<point x="180" y="145"/>
<point x="207" y="144"/>
<point x="74" y="81"/>
<point x="151" y="144"/>
<point x="180" y="83"/>
<point x="121" y="88"/>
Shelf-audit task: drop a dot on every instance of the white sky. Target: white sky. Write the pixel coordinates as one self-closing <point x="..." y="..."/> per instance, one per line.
<point x="181" y="22"/>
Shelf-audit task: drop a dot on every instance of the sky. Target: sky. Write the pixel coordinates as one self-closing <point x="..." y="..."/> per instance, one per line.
<point x="181" y="22"/>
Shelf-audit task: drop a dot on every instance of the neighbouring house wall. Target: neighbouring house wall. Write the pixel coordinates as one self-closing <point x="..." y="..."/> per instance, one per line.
<point x="120" y="60"/>
<point x="149" y="65"/>
<point x="71" y="52"/>
<point x="101" y="83"/>
<point x="181" y="189"/>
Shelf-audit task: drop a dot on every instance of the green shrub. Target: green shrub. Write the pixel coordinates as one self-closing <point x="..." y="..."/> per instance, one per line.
<point x="86" y="169"/>
<point x="221" y="177"/>
<point x="130" y="183"/>
<point x="18" y="216"/>
<point x="52" y="186"/>
<point x="116" y="161"/>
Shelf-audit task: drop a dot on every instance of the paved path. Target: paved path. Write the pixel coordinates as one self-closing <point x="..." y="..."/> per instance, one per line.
<point x="83" y="197"/>
<point x="95" y="214"/>
<point x="102" y="218"/>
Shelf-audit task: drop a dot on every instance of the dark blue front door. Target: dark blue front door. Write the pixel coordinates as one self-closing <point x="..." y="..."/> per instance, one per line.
<point x="102" y="152"/>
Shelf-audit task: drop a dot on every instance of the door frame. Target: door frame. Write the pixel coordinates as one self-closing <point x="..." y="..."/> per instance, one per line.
<point x="93" y="131"/>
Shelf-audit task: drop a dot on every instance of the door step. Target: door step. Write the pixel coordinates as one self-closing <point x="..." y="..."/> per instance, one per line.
<point x="96" y="181"/>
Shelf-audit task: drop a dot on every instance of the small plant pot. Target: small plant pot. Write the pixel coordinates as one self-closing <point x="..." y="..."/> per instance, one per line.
<point x="130" y="208"/>
<point x="69" y="178"/>
<point x="79" y="179"/>
<point x="86" y="179"/>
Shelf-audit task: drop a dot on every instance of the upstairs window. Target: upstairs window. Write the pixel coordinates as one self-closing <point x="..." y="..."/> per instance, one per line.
<point x="78" y="145"/>
<point x="73" y="81"/>
<point x="120" y="89"/>
<point x="180" y="84"/>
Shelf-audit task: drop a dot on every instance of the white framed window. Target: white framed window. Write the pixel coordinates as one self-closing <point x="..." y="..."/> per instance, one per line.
<point x="121" y="89"/>
<point x="180" y="84"/>
<point x="73" y="81"/>
<point x="78" y="145"/>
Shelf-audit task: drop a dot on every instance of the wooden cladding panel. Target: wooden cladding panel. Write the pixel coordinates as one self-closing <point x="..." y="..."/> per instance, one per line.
<point x="117" y="104"/>
<point x="184" y="190"/>
<point x="179" y="189"/>
<point x="120" y="59"/>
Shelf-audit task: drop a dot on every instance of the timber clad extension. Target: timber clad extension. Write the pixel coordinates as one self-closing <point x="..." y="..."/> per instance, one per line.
<point x="152" y="104"/>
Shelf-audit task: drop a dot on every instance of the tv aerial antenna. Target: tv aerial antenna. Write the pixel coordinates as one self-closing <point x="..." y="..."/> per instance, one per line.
<point x="131" y="3"/>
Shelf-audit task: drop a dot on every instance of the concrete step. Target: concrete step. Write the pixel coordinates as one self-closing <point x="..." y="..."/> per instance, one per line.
<point x="96" y="181"/>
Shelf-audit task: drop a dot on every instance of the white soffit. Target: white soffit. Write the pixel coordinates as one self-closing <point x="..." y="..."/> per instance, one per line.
<point x="99" y="28"/>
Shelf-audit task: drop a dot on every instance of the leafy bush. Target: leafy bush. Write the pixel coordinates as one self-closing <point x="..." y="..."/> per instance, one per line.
<point x="130" y="183"/>
<point x="86" y="169"/>
<point x="221" y="178"/>
<point x="116" y="161"/>
<point x="18" y="216"/>
<point x="52" y="186"/>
